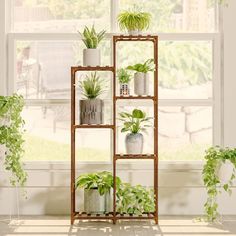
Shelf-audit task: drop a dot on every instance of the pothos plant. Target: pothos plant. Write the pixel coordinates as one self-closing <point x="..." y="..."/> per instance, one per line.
<point x="214" y="157"/>
<point x="11" y="136"/>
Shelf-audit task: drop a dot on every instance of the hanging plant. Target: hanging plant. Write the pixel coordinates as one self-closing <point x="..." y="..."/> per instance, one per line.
<point x="11" y="137"/>
<point x="216" y="157"/>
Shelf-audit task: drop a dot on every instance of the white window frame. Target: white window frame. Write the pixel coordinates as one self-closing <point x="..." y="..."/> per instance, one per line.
<point x="216" y="102"/>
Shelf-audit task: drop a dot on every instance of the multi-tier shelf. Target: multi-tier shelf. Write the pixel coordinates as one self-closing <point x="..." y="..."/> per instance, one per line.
<point x="114" y="216"/>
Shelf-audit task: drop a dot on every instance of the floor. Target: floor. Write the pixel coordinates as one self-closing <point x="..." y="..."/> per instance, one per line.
<point x="168" y="226"/>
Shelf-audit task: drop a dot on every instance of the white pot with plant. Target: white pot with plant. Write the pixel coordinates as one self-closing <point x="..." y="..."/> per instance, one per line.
<point x="91" y="108"/>
<point x="224" y="171"/>
<point x="134" y="123"/>
<point x="134" y="21"/>
<point x="97" y="187"/>
<point x="141" y="76"/>
<point x="124" y="78"/>
<point x="91" y="39"/>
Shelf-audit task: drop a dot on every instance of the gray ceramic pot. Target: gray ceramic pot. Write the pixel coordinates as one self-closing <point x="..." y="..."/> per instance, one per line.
<point x="94" y="202"/>
<point x="134" y="143"/>
<point x="141" y="83"/>
<point x="91" y="111"/>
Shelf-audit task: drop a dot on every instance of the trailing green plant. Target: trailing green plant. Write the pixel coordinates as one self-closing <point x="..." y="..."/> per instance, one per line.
<point x="11" y="135"/>
<point x="135" y="199"/>
<point x="147" y="66"/>
<point x="124" y="76"/>
<point x="134" y="19"/>
<point x="134" y="122"/>
<point x="103" y="181"/>
<point x="92" y="86"/>
<point x="214" y="157"/>
<point x="91" y="38"/>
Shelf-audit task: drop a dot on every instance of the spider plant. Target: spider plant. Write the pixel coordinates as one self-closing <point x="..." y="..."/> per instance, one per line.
<point x="123" y="76"/>
<point x="134" y="19"/>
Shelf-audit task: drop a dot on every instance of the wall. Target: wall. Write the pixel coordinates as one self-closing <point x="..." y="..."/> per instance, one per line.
<point x="181" y="190"/>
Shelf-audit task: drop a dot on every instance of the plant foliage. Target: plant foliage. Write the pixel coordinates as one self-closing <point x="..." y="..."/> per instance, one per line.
<point x="92" y="87"/>
<point x="123" y="76"/>
<point x="144" y="68"/>
<point x="11" y="135"/>
<point x="214" y="157"/>
<point x="134" y="19"/>
<point x="135" y="199"/>
<point x="103" y="181"/>
<point x="91" y="38"/>
<point x="134" y="122"/>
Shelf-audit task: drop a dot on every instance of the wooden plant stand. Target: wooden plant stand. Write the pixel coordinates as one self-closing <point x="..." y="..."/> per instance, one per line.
<point x="114" y="216"/>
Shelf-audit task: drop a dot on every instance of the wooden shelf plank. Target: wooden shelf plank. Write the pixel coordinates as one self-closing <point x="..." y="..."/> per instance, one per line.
<point x="94" y="126"/>
<point x="135" y="97"/>
<point x="147" y="37"/>
<point x="130" y="157"/>
<point x="93" y="68"/>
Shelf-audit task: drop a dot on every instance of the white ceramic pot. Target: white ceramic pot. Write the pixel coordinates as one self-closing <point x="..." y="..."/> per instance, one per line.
<point x="94" y="202"/>
<point x="91" y="57"/>
<point x="141" y="83"/>
<point x="134" y="32"/>
<point x="225" y="171"/>
<point x="134" y="143"/>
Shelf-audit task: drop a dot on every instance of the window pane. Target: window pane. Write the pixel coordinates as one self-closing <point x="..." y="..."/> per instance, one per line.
<point x="60" y="15"/>
<point x="184" y="132"/>
<point x="184" y="67"/>
<point x="43" y="67"/>
<point x="177" y="15"/>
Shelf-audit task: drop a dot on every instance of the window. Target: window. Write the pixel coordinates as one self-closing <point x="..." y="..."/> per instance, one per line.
<point x="44" y="43"/>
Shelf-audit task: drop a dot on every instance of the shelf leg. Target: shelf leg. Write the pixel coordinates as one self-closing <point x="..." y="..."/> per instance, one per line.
<point x="72" y="220"/>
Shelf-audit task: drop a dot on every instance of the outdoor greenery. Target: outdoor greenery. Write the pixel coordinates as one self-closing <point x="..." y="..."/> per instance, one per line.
<point x="92" y="86"/>
<point x="134" y="122"/>
<point x="91" y="38"/>
<point x="214" y="157"/>
<point x="134" y="19"/>
<point x="147" y="66"/>
<point x="11" y="137"/>
<point x="103" y="181"/>
<point x="135" y="199"/>
<point x="124" y="76"/>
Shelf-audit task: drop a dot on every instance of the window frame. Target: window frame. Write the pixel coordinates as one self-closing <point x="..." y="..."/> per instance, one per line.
<point x="216" y="38"/>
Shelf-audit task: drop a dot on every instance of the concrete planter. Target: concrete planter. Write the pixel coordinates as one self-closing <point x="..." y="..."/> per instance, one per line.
<point x="91" y="111"/>
<point x="134" y="32"/>
<point x="94" y="202"/>
<point x="134" y="143"/>
<point x="141" y="83"/>
<point x="225" y="171"/>
<point x="124" y="90"/>
<point x="91" y="57"/>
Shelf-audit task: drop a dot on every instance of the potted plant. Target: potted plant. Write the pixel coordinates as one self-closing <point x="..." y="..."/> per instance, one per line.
<point x="97" y="188"/>
<point x="124" y="78"/>
<point x="134" y="199"/>
<point x="134" y="124"/>
<point x="141" y="76"/>
<point x="218" y="173"/>
<point x="11" y="137"/>
<point x="91" y="108"/>
<point x="134" y="21"/>
<point x="91" y="39"/>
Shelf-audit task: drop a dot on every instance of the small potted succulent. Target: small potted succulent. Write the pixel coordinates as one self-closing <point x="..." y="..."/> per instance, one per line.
<point x="141" y="76"/>
<point x="124" y="78"/>
<point x="91" y="39"/>
<point x="134" y="21"/>
<point x="134" y="123"/>
<point x="91" y="108"/>
<point x="97" y="188"/>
